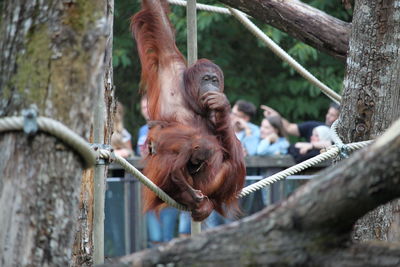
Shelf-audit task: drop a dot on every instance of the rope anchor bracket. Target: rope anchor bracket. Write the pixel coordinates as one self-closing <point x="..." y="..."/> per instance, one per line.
<point x="30" y="121"/>
<point x="100" y="160"/>
<point x="344" y="151"/>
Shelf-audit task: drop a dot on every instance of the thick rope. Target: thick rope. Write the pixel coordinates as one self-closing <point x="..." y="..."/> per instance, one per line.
<point x="57" y="129"/>
<point x="335" y="137"/>
<point x="285" y="56"/>
<point x="331" y="153"/>
<point x="343" y="149"/>
<point x="105" y="154"/>
<point x="243" y="18"/>
<point x="203" y="7"/>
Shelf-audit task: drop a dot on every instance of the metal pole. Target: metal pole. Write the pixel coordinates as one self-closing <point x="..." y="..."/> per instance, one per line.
<point x="191" y="31"/>
<point x="99" y="184"/>
<point x="105" y="83"/>
<point x="192" y="58"/>
<point x="127" y="216"/>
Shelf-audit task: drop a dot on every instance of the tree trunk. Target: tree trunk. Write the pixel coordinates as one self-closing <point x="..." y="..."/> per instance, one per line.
<point x="52" y="57"/>
<point x="82" y="252"/>
<point x="83" y="245"/>
<point x="301" y="21"/>
<point x="372" y="95"/>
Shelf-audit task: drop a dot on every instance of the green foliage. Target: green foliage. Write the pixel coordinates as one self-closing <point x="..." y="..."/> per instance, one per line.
<point x="126" y="65"/>
<point x="252" y="72"/>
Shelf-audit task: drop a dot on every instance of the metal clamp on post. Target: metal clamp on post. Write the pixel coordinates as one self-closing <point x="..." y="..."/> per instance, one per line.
<point x="109" y="151"/>
<point x="344" y="151"/>
<point x="30" y="121"/>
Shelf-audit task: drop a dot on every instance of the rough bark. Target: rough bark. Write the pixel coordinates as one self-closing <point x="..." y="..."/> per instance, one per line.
<point x="372" y="95"/>
<point x="309" y="25"/>
<point x="83" y="245"/>
<point x="311" y="228"/>
<point x="51" y="56"/>
<point x="82" y="252"/>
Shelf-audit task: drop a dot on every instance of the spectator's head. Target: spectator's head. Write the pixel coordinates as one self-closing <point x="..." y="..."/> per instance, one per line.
<point x="242" y="113"/>
<point x="117" y="136"/>
<point x="332" y="114"/>
<point x="244" y="110"/>
<point x="272" y="124"/>
<point x="321" y="133"/>
<point x="143" y="107"/>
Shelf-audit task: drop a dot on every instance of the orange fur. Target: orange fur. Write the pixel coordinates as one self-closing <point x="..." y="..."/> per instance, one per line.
<point x="156" y="47"/>
<point x="185" y="125"/>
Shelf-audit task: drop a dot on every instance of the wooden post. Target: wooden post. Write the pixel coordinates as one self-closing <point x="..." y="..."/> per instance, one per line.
<point x="191" y="31"/>
<point x="192" y="58"/>
<point x="99" y="184"/>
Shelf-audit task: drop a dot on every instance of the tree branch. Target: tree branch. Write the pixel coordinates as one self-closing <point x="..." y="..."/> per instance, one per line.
<point x="362" y="255"/>
<point x="309" y="226"/>
<point x="301" y="21"/>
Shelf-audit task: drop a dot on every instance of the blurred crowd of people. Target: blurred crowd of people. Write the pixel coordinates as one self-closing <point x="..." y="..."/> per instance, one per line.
<point x="271" y="137"/>
<point x="268" y="139"/>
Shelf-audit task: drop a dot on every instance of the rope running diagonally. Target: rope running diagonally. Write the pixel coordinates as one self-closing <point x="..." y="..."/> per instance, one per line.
<point x="244" y="19"/>
<point x="285" y="56"/>
<point x="56" y="129"/>
<point x="105" y="154"/>
<point x="332" y="152"/>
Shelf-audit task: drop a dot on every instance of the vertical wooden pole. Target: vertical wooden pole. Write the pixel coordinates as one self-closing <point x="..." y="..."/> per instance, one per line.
<point x="191" y="31"/>
<point x="99" y="183"/>
<point x="191" y="19"/>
